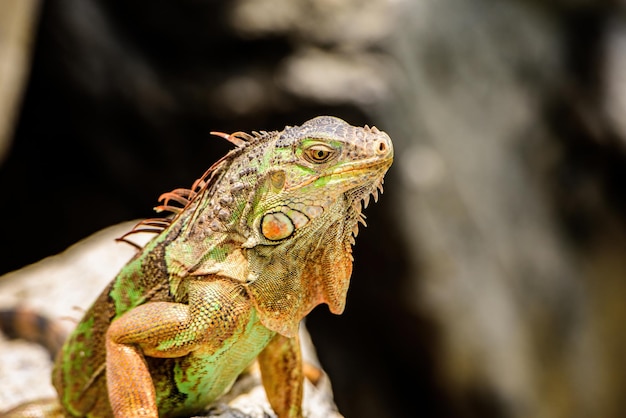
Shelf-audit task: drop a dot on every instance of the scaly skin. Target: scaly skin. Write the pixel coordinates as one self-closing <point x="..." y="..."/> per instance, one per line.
<point x="264" y="237"/>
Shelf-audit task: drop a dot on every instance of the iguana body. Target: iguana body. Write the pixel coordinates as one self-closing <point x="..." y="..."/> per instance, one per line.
<point x="262" y="238"/>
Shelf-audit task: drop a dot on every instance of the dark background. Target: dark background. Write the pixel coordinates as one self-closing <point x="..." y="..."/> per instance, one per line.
<point x="491" y="278"/>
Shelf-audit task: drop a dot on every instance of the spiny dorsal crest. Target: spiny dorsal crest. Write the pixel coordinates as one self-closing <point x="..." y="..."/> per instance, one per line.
<point x="175" y="201"/>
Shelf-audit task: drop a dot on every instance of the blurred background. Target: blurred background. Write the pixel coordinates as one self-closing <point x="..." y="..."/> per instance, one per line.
<point x="491" y="281"/>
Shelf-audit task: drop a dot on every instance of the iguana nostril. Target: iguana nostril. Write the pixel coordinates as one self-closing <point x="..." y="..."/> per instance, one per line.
<point x="382" y="147"/>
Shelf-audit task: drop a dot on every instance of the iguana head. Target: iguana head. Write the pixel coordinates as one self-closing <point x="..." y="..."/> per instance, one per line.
<point x="279" y="215"/>
<point x="318" y="174"/>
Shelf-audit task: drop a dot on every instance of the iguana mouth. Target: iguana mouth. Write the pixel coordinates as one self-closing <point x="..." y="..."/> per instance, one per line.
<point x="370" y="167"/>
<point x="364" y="166"/>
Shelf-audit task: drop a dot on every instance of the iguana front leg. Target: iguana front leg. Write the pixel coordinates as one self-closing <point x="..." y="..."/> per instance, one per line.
<point x="281" y="372"/>
<point x="135" y="334"/>
<point x="166" y="330"/>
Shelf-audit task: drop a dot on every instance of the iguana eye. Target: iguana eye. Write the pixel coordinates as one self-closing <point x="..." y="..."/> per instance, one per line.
<point x="319" y="153"/>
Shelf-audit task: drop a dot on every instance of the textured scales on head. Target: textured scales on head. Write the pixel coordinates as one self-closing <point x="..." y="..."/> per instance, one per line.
<point x="278" y="214"/>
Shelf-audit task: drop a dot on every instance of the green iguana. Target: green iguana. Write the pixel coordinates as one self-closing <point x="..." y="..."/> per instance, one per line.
<point x="263" y="237"/>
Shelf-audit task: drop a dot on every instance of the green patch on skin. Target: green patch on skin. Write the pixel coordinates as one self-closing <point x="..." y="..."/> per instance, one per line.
<point x="205" y="377"/>
<point x="218" y="253"/>
<point x="312" y="141"/>
<point x="124" y="292"/>
<point x="322" y="181"/>
<point x="190" y="334"/>
<point x="83" y="336"/>
<point x="78" y="359"/>
<point x="305" y="171"/>
<point x="178" y="341"/>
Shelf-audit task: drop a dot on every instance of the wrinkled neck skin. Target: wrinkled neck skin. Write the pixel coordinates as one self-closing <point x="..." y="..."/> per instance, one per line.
<point x="288" y="279"/>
